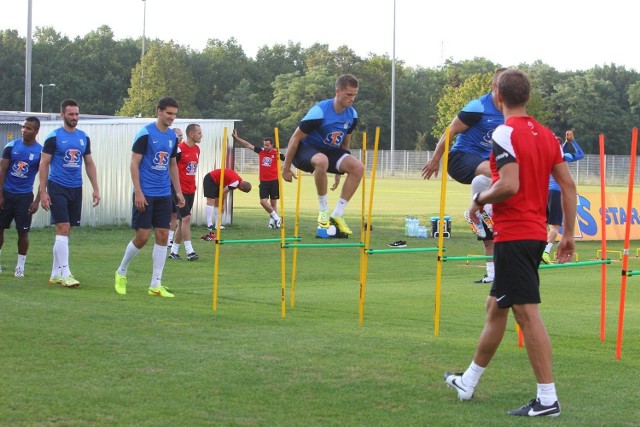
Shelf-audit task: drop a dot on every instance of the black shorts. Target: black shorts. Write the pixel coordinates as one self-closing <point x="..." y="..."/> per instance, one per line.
<point x="554" y="207"/>
<point x="210" y="188"/>
<point x="306" y="151"/>
<point x="462" y="166"/>
<point x="188" y="205"/>
<point x="516" y="280"/>
<point x="269" y="190"/>
<point x="16" y="206"/>
<point x="157" y="213"/>
<point x="66" y="204"/>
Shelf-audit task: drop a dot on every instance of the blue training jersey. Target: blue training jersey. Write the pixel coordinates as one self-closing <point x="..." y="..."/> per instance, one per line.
<point x="156" y="148"/>
<point x="24" y="161"/>
<point x="571" y="152"/>
<point x="482" y="117"/>
<point x="325" y="127"/>
<point x="67" y="150"/>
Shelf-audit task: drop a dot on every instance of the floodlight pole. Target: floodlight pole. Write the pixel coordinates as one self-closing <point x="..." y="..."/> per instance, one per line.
<point x="393" y="92"/>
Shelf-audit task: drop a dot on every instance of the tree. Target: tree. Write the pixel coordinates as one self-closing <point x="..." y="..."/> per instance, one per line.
<point x="11" y="70"/>
<point x="164" y="75"/>
<point x="242" y="103"/>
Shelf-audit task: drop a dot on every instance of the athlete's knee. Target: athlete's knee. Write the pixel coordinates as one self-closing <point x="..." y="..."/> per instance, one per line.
<point x="480" y="183"/>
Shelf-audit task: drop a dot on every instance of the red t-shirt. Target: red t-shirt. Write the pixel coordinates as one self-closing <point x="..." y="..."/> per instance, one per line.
<point x="268" y="164"/>
<point x="188" y="158"/>
<point x="523" y="216"/>
<point x="231" y="178"/>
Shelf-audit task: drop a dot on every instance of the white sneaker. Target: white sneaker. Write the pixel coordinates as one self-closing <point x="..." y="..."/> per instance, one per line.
<point x="454" y="381"/>
<point x="279" y="223"/>
<point x="272" y="223"/>
<point x="19" y="272"/>
<point x="476" y="226"/>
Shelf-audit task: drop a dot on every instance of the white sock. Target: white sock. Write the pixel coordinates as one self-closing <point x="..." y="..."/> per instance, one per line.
<point x="480" y="183"/>
<point x="547" y="394"/>
<point x="323" y="202"/>
<point x="472" y="375"/>
<point x="159" y="257"/>
<point x="129" y="254"/>
<point x="21" y="260"/>
<point x="170" y="239"/>
<point x="340" y="207"/>
<point x="61" y="248"/>
<point x="491" y="270"/>
<point x="208" y="211"/>
<point x="55" y="268"/>
<point x="274" y="215"/>
<point x="188" y="247"/>
<point x="175" y="248"/>
<point x="215" y="217"/>
<point x="548" y="248"/>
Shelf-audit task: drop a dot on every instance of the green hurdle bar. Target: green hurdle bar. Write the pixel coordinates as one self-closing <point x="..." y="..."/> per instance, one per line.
<point x="323" y="245"/>
<point x="397" y="250"/>
<point x="466" y="258"/>
<point x="575" y="264"/>
<point x="632" y="272"/>
<point x="274" y="240"/>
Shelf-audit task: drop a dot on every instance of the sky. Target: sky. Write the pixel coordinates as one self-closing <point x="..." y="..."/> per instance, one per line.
<point x="568" y="35"/>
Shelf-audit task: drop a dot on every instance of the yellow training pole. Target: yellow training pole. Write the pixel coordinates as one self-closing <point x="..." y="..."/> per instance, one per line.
<point x="296" y="228"/>
<point x="283" y="260"/>
<point x="363" y="230"/>
<point x="363" y="290"/>
<point x="443" y="194"/>
<point x="218" y="221"/>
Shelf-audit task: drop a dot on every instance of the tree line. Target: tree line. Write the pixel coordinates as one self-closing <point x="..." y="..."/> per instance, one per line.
<point x="278" y="86"/>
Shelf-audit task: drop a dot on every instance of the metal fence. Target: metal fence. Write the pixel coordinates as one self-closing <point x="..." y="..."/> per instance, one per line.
<point x="405" y="164"/>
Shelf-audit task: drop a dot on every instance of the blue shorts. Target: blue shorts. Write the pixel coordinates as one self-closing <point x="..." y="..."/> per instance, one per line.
<point x="516" y="280"/>
<point x="554" y="207"/>
<point x="157" y="213"/>
<point x="269" y="190"/>
<point x="306" y="151"/>
<point x="16" y="206"/>
<point x="462" y="166"/>
<point x="66" y="204"/>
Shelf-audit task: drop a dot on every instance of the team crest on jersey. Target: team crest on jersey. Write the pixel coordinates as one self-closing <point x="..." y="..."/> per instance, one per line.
<point x="346" y="125"/>
<point x="267" y="161"/>
<point x="160" y="160"/>
<point x="192" y="168"/>
<point x="20" y="169"/>
<point x="72" y="158"/>
<point x="334" y="138"/>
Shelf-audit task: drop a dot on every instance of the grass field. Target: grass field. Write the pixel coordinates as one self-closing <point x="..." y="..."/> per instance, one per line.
<point x="86" y="356"/>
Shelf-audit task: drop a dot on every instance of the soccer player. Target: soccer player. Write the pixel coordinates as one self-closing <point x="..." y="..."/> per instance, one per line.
<point x="211" y="188"/>
<point x="320" y="144"/>
<point x="65" y="150"/>
<point x="268" y="175"/>
<point x="523" y="155"/>
<point x="153" y="171"/>
<point x="18" y="169"/>
<point x="469" y="159"/>
<point x="187" y="159"/>
<point x="174" y="211"/>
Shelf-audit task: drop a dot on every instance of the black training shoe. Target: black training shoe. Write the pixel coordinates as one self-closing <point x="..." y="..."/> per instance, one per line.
<point x="174" y="256"/>
<point x="398" y="244"/>
<point x="537" y="409"/>
<point x="192" y="256"/>
<point x="485" y="279"/>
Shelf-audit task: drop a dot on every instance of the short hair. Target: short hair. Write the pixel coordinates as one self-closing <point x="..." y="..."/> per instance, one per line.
<point x="244" y="186"/>
<point x="67" y="103"/>
<point x="346" y="80"/>
<point x="514" y="87"/>
<point x="267" y="138"/>
<point x="191" y="128"/>
<point x="497" y="73"/>
<point x="35" y="120"/>
<point x="165" y="102"/>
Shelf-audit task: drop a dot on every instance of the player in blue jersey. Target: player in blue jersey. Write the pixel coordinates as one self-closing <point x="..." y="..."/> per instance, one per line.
<point x="320" y="144"/>
<point x="154" y="171"/>
<point x="469" y="159"/>
<point x="18" y="169"/>
<point x="571" y="152"/>
<point x="65" y="150"/>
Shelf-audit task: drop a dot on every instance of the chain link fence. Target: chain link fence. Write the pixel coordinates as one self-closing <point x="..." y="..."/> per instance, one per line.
<point x="405" y="164"/>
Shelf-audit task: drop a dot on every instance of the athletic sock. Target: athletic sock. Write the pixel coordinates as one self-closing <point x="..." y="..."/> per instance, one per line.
<point x="188" y="247"/>
<point x="159" y="257"/>
<point x="129" y="254"/>
<point x="170" y="239"/>
<point x="547" y="394"/>
<point x="274" y="215"/>
<point x="175" y="248"/>
<point x="548" y="248"/>
<point x="61" y="247"/>
<point x="323" y="202"/>
<point x="208" y="211"/>
<point x="491" y="270"/>
<point x="472" y="375"/>
<point x="340" y="207"/>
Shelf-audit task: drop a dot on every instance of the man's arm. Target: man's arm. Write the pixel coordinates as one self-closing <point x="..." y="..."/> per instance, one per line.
<point x="90" y="168"/>
<point x="175" y="181"/>
<point x="433" y="166"/>
<point x="562" y="176"/>
<point x="43" y="172"/>
<point x="139" y="200"/>
<point x="292" y="148"/>
<point x="243" y="142"/>
<point x="4" y="166"/>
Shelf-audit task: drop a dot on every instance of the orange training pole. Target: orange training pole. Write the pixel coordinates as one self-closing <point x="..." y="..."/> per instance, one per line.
<point x="603" y="227"/>
<point x="627" y="231"/>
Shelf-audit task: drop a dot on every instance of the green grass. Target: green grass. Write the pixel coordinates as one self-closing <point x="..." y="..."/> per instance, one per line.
<point x="87" y="356"/>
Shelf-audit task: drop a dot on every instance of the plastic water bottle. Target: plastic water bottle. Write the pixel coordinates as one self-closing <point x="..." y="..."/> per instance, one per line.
<point x="407" y="225"/>
<point x="422" y="231"/>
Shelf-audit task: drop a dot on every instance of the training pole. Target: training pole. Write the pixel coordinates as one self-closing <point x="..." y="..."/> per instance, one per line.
<point x="365" y="260"/>
<point x="283" y="259"/>
<point x="296" y="230"/>
<point x="442" y="226"/>
<point x="627" y="232"/>
<point x="216" y="262"/>
<point x="603" y="227"/>
<point x="363" y="230"/>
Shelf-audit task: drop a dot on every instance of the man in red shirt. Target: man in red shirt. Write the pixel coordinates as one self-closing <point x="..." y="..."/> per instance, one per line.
<point x="524" y="154"/>
<point x="188" y="157"/>
<point x="269" y="187"/>
<point x="211" y="187"/>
